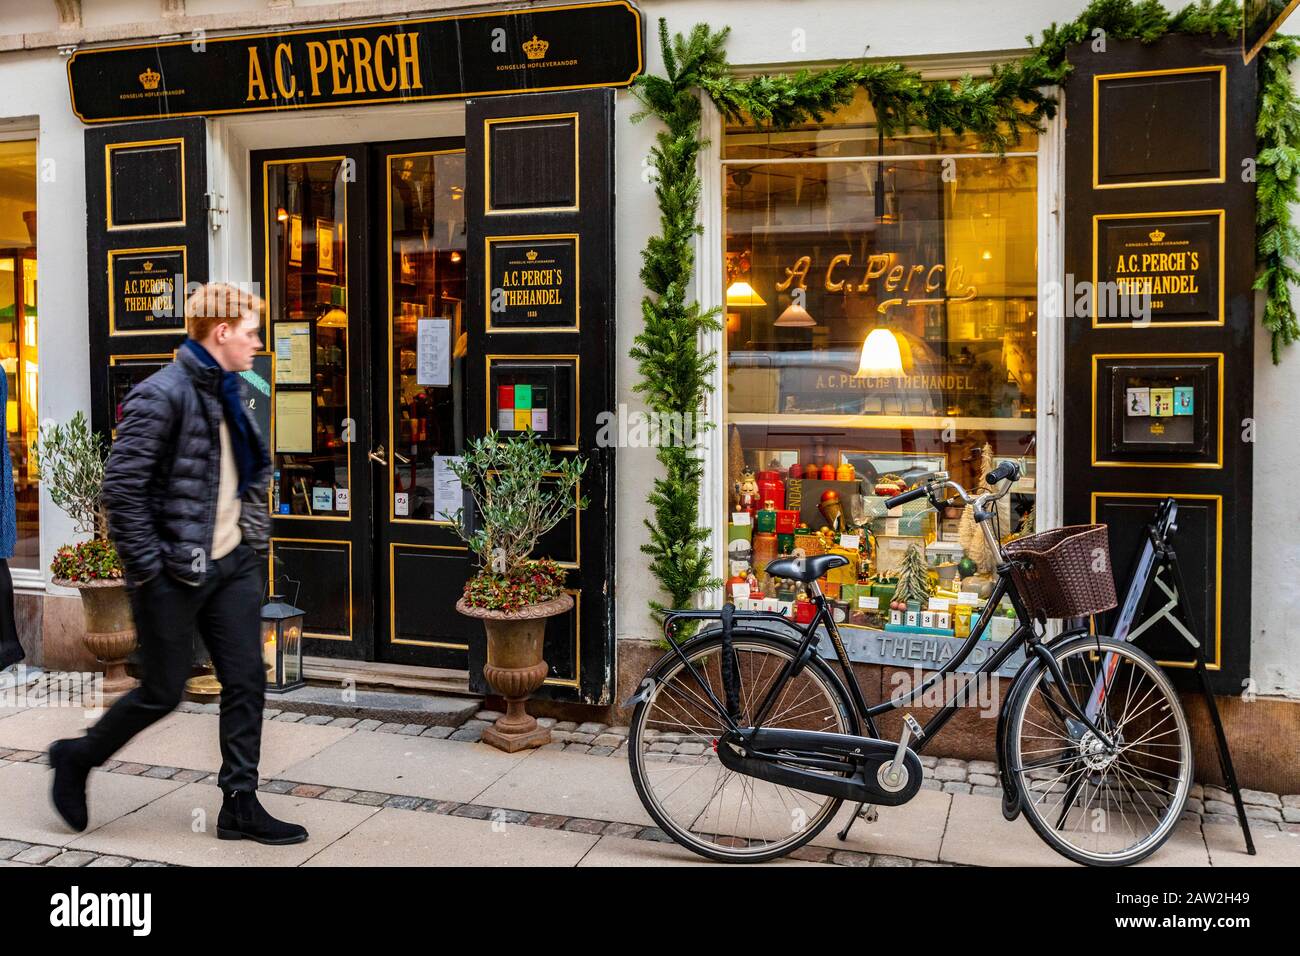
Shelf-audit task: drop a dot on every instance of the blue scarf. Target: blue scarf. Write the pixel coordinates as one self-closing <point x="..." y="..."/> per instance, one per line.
<point x="247" y="450"/>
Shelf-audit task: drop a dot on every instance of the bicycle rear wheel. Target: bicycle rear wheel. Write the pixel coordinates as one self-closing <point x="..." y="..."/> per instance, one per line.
<point x="1096" y="807"/>
<point x="672" y="740"/>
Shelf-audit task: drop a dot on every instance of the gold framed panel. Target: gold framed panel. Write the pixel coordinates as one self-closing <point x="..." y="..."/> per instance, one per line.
<point x="1218" y="560"/>
<point x="577" y="392"/>
<point x="388" y="220"/>
<point x="1101" y="463"/>
<point x="1221" y="69"/>
<point x="366" y="102"/>
<point x="487" y="165"/>
<point x="109" y="149"/>
<point x="270" y="572"/>
<point x="577" y="644"/>
<point x="112" y="289"/>
<point x="1172" y="214"/>
<point x="347" y="308"/>
<point x="122" y="359"/>
<point x="577" y="283"/>
<point x="392" y="595"/>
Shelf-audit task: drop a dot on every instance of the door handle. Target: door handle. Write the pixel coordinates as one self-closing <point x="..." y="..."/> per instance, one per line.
<point x="378" y="455"/>
<point x="400" y="457"/>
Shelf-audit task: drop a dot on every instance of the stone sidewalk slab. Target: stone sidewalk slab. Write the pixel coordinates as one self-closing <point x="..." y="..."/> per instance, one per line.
<point x="26" y="812"/>
<point x="191" y="741"/>
<point x="914" y="830"/>
<point x="37" y="727"/>
<point x="978" y="835"/>
<point x="551" y="781"/>
<point x="413" y="838"/>
<point x="623" y="852"/>
<point x="411" y="766"/>
<point x="181" y="827"/>
<point x="1272" y="847"/>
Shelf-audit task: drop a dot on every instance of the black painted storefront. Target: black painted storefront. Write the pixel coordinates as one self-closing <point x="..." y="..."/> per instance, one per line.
<point x="377" y="584"/>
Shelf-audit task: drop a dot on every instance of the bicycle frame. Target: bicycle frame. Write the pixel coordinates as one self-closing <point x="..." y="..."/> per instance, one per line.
<point x="1023" y="636"/>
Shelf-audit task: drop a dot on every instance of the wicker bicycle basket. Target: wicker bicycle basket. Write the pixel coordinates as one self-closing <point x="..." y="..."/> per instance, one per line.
<point x="1065" y="572"/>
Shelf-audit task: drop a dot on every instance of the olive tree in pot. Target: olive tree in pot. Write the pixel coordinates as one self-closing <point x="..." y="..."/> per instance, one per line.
<point x="71" y="462"/>
<point x="519" y="494"/>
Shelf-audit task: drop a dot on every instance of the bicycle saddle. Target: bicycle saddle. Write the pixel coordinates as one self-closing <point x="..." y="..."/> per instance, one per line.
<point x="805" y="569"/>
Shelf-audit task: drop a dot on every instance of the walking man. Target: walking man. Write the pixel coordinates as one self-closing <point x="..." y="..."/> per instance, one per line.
<point x="185" y="491"/>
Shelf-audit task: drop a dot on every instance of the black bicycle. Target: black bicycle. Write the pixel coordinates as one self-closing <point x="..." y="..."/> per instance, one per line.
<point x="744" y="742"/>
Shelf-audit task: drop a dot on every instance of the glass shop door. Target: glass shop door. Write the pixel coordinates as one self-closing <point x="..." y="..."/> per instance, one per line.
<point x="419" y="346"/>
<point x="310" y="241"/>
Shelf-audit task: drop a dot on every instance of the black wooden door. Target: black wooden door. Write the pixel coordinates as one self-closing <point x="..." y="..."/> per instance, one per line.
<point x="420" y="407"/>
<point x="1158" y="400"/>
<point x="146" y="237"/>
<point x="540" y="207"/>
<point x="310" y="245"/>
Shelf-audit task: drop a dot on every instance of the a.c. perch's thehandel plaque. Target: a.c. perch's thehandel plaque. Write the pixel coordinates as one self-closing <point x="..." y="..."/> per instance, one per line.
<point x="515" y="51"/>
<point x="532" y="283"/>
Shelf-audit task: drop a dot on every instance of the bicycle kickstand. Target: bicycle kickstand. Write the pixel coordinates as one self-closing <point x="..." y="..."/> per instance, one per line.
<point x="865" y="811"/>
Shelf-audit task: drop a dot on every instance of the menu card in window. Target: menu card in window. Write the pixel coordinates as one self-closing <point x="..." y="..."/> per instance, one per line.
<point x="433" y="342"/>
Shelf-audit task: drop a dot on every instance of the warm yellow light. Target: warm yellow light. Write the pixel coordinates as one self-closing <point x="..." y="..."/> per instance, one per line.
<point x="795" y="317"/>
<point x="881" y="356"/>
<point x="741" y="294"/>
<point x="455" y="257"/>
<point x="281" y="214"/>
<point x="986" y="255"/>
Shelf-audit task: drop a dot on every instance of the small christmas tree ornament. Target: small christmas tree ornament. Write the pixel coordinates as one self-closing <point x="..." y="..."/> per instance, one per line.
<point x="913" y="580"/>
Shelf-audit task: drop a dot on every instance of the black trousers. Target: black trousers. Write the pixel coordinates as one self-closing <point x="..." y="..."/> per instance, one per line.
<point x="226" y="609"/>
<point x="11" y="652"/>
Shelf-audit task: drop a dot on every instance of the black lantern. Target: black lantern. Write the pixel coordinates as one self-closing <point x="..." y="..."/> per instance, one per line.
<point x="282" y="645"/>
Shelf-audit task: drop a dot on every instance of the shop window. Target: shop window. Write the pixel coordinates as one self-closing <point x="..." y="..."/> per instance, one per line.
<point x="308" y="305"/>
<point x="426" y="272"/>
<point x="881" y="323"/>
<point x="18" y="352"/>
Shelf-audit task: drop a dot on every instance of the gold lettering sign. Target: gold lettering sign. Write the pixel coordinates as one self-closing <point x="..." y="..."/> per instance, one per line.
<point x="341" y="66"/>
<point x="146" y="290"/>
<point x="1168" y="265"/>
<point x="885" y="276"/>
<point x="532" y="283"/>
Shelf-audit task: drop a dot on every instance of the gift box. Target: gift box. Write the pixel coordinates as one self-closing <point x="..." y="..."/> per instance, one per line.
<point x="810" y="544"/>
<point x="786" y="521"/>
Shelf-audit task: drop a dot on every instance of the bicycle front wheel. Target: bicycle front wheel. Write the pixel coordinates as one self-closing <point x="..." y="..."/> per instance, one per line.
<point x="1094" y="805"/>
<point x="672" y="749"/>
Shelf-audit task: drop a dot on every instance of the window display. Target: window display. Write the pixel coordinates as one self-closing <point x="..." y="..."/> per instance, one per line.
<point x="881" y="324"/>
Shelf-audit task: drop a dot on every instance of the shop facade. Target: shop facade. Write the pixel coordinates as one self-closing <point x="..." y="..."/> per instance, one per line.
<point x="447" y="241"/>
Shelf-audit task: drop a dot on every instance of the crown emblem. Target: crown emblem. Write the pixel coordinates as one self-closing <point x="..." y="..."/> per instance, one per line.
<point x="150" y="78"/>
<point x="1157" y="428"/>
<point x="1156" y="235"/>
<point x="530" y="255"/>
<point x="148" y="266"/>
<point x="535" y="49"/>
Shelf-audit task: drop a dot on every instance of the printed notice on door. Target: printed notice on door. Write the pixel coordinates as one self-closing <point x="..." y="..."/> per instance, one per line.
<point x="292" y="353"/>
<point x="433" y="341"/>
<point x="448" y="497"/>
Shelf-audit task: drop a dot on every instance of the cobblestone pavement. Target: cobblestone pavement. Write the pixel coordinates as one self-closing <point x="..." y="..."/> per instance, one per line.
<point x="1208" y="804"/>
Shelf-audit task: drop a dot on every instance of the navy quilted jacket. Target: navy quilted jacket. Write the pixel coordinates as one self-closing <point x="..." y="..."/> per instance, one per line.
<point x="160" y="483"/>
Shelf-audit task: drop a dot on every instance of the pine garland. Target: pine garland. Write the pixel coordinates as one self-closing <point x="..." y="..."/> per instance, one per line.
<point x="674" y="368"/>
<point x="998" y="109"/>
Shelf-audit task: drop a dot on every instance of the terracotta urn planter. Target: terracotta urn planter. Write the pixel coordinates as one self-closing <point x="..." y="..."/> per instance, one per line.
<point x="110" y="630"/>
<point x="515" y="668"/>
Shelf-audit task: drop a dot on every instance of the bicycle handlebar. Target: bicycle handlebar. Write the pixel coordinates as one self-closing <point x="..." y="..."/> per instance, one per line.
<point x="936" y="482"/>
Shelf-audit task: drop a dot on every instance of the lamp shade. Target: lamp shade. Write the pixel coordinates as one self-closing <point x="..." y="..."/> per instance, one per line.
<point x="741" y="294"/>
<point x="881" y="356"/>
<point x="795" y="317"/>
